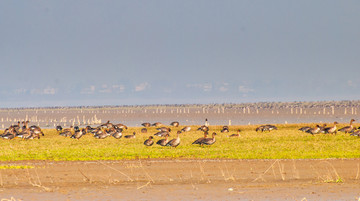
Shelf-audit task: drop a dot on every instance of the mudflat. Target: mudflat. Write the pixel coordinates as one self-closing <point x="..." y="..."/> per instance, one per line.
<point x="325" y="179"/>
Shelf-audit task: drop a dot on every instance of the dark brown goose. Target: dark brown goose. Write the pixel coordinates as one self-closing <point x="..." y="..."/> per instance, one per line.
<point x="163" y="142"/>
<point x="236" y="135"/>
<point x="200" y="139"/>
<point x="143" y="130"/>
<point x="332" y="129"/>
<point x="130" y="136"/>
<point x="208" y="141"/>
<point x="348" y="129"/>
<point x="174" y="142"/>
<point x="304" y="129"/>
<point x="149" y="141"/>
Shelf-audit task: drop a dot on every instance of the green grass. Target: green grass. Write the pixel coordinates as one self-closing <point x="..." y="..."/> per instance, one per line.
<point x="285" y="143"/>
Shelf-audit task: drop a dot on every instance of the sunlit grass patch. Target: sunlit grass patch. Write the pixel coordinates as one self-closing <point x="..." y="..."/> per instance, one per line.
<point x="285" y="143"/>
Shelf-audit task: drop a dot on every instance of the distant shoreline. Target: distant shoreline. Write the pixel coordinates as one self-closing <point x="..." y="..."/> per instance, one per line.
<point x="293" y="104"/>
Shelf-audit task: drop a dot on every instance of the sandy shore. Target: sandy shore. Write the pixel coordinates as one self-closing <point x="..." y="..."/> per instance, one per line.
<point x="183" y="180"/>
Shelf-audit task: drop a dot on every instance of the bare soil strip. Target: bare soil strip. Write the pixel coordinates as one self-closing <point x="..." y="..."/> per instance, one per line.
<point x="328" y="179"/>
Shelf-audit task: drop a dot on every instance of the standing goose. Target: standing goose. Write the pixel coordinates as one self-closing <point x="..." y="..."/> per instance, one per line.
<point x="149" y="142"/>
<point x="208" y="141"/>
<point x="163" y="142"/>
<point x="348" y="129"/>
<point x="237" y="134"/>
<point x="200" y="139"/>
<point x="331" y="130"/>
<point x="174" y="142"/>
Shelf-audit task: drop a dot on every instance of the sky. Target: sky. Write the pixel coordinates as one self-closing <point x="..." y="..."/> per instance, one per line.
<point x="114" y="52"/>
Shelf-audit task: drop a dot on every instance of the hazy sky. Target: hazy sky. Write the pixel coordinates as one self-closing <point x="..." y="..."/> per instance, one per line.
<point x="84" y="52"/>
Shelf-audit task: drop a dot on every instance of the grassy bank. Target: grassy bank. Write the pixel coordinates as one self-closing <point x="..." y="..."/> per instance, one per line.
<point x="285" y="143"/>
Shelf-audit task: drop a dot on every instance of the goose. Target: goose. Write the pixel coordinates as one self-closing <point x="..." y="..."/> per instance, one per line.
<point x="149" y="142"/>
<point x="16" y="127"/>
<point x="117" y="134"/>
<point x="164" y="129"/>
<point x="225" y="129"/>
<point x="24" y="133"/>
<point x="174" y="142"/>
<point x="200" y="139"/>
<point x="322" y="128"/>
<point x="36" y="130"/>
<point x="130" y="136"/>
<point x="144" y="130"/>
<point x="157" y="124"/>
<point x="175" y="124"/>
<point x="107" y="124"/>
<point x="163" y="142"/>
<point x="270" y="127"/>
<point x="162" y="133"/>
<point x="78" y="134"/>
<point x="331" y="129"/>
<point x="100" y="134"/>
<point x="208" y="141"/>
<point x="67" y="132"/>
<point x="59" y="128"/>
<point x="122" y="126"/>
<point x="260" y="128"/>
<point x="315" y="130"/>
<point x="186" y="129"/>
<point x="304" y="129"/>
<point x="203" y="128"/>
<point x="146" y="124"/>
<point x="9" y="134"/>
<point x="355" y="133"/>
<point x="347" y="129"/>
<point x="237" y="134"/>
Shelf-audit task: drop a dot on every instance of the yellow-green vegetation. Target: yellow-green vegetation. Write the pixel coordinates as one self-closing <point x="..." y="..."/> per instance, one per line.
<point x="285" y="143"/>
<point x="16" y="167"/>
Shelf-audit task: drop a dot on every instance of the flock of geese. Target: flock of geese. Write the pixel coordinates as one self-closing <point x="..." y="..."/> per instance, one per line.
<point x="332" y="129"/>
<point x="24" y="132"/>
<point x="116" y="130"/>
